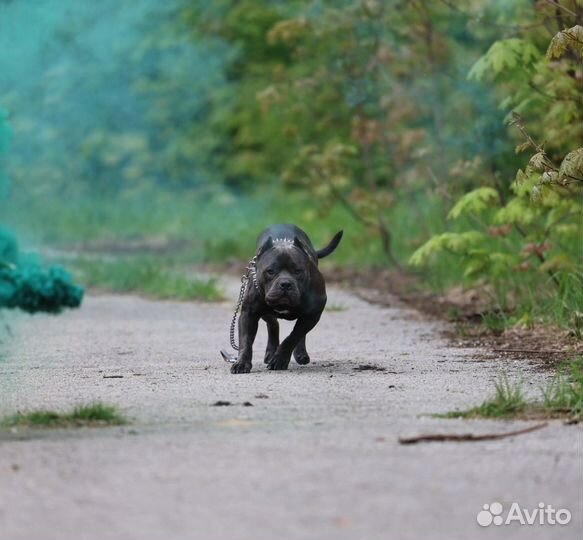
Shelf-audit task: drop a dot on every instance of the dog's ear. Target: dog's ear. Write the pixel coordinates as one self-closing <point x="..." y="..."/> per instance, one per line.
<point x="267" y="245"/>
<point x="306" y="250"/>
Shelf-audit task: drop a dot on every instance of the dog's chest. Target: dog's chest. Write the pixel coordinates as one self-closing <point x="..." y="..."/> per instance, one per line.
<point x="285" y="313"/>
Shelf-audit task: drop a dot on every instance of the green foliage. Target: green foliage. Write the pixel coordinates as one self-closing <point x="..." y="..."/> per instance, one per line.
<point x="503" y="56"/>
<point x="531" y="247"/>
<point x="517" y="211"/>
<point x="478" y="259"/>
<point x="383" y="118"/>
<point x="475" y="202"/>
<point x="92" y="415"/>
<point x="571" y="168"/>
<point x="457" y="243"/>
<point x="146" y="276"/>
<point x="355" y="104"/>
<point x="569" y="39"/>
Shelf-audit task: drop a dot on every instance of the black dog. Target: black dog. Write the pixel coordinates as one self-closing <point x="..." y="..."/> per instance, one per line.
<point x="287" y="285"/>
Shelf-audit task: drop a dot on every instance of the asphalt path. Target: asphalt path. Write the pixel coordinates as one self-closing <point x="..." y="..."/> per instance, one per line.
<point x="311" y="453"/>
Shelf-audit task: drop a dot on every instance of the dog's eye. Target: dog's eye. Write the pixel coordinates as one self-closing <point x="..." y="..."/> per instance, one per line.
<point x="269" y="272"/>
<point x="298" y="271"/>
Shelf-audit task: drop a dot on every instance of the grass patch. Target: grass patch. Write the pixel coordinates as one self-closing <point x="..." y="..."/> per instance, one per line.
<point x="145" y="276"/>
<point x="495" y="321"/>
<point x="508" y="400"/>
<point x="214" y="227"/>
<point x="564" y="393"/>
<point x="336" y="307"/>
<point x="92" y="415"/>
<point x="562" y="397"/>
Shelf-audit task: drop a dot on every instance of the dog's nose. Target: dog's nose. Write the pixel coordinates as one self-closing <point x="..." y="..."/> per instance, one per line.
<point x="285" y="285"/>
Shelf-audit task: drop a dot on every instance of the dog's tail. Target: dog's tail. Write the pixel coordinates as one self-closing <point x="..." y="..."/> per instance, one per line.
<point x="324" y="252"/>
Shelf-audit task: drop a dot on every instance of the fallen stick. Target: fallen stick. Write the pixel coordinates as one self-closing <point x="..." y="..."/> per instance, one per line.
<point x="463" y="437"/>
<point x="532" y="351"/>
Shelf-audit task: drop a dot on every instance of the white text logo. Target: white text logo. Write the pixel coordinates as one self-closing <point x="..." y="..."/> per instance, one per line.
<point x="544" y="514"/>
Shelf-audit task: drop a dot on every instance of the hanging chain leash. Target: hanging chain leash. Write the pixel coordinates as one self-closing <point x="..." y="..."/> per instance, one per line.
<point x="250" y="274"/>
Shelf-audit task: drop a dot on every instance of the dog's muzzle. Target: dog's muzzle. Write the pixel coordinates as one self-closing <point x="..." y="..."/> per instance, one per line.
<point x="283" y="294"/>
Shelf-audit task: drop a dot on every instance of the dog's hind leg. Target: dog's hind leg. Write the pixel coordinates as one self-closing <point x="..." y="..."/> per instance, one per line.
<point x="272" y="337"/>
<point x="301" y="354"/>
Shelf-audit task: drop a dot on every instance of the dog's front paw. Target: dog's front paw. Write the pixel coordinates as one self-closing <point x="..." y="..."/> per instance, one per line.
<point x="278" y="362"/>
<point x="302" y="358"/>
<point x="269" y="355"/>
<point x="241" y="367"/>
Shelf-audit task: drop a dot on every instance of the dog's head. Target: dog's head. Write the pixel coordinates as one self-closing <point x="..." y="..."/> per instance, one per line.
<point x="283" y="271"/>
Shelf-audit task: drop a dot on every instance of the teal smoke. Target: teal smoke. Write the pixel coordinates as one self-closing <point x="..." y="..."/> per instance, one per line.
<point x="24" y="283"/>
